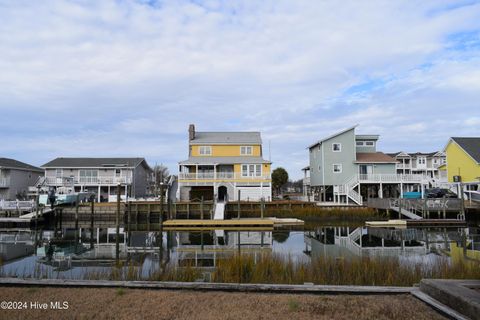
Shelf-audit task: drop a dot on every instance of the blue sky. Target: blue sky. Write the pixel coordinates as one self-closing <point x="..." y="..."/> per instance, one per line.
<point x="125" y="78"/>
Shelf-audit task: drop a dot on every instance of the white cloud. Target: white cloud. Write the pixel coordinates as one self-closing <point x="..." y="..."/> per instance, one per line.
<point x="93" y="71"/>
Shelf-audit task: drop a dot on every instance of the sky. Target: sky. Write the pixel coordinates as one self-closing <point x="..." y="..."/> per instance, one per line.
<point x="125" y="78"/>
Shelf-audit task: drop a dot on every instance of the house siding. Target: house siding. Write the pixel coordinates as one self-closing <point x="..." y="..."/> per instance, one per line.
<point x="459" y="163"/>
<point x="346" y="158"/>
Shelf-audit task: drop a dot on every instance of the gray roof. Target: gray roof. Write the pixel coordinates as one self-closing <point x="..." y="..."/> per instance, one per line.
<point x="223" y="160"/>
<point x="331" y="136"/>
<point x="227" y="138"/>
<point x="14" y="164"/>
<point x="471" y="145"/>
<point x="94" y="162"/>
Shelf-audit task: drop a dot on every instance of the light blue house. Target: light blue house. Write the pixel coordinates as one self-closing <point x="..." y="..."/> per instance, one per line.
<point x="347" y="168"/>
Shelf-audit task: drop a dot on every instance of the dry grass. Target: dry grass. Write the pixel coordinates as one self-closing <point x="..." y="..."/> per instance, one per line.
<point x="102" y="303"/>
<point x="315" y="213"/>
<point x="380" y="271"/>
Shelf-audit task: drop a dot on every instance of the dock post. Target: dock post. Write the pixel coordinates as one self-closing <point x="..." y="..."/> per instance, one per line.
<point x="169" y="209"/>
<point x="261" y="207"/>
<point x="76" y="221"/>
<point x="92" y="211"/>
<point x="201" y="208"/>
<point x="117" y="224"/>
<point x="238" y="205"/>
<point x="37" y="204"/>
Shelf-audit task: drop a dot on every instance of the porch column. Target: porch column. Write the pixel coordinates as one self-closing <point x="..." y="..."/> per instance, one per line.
<point x="401" y="189"/>
<point x="215" y="172"/>
<point x="380" y="191"/>
<point x="126" y="192"/>
<point x="98" y="235"/>
<point x="99" y="193"/>
<point x="108" y="190"/>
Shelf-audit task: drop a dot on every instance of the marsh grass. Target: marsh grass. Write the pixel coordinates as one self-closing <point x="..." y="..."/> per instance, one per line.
<point x="381" y="271"/>
<point x="317" y="213"/>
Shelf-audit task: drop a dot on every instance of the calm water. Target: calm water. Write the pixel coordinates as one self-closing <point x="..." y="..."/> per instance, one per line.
<point x="56" y="255"/>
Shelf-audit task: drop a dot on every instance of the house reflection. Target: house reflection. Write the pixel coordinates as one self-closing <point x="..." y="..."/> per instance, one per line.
<point x="364" y="241"/>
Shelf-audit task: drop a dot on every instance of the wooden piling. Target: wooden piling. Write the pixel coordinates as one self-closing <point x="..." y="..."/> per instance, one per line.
<point x="238" y="205"/>
<point x="91" y="222"/>
<point x="76" y="221"/>
<point x="117" y="231"/>
<point x="201" y="208"/>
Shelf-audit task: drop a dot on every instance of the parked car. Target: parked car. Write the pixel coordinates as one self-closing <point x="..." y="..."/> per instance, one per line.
<point x="439" y="193"/>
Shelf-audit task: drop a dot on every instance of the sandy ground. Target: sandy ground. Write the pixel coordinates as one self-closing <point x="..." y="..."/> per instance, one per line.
<point x="162" y="304"/>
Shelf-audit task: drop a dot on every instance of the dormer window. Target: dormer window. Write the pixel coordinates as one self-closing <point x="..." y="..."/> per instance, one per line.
<point x="246" y="150"/>
<point x="205" y="150"/>
<point x="336" y="147"/>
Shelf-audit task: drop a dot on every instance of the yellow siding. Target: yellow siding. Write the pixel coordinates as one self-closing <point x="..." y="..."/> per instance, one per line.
<point x="459" y="163"/>
<point x="237" y="168"/>
<point x="225" y="151"/>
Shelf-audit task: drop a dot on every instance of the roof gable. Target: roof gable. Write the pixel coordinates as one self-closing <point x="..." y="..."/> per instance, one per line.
<point x="332" y="136"/>
<point x="471" y="146"/>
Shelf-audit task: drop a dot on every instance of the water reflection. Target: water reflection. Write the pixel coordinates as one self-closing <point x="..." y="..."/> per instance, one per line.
<point x="70" y="253"/>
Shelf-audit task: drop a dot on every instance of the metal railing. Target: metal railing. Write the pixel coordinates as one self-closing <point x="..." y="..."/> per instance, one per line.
<point x="87" y="180"/>
<point x="392" y="177"/>
<point x="220" y="176"/>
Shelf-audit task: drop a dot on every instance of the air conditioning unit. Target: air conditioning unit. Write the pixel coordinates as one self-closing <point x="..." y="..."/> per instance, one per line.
<point x="457" y="178"/>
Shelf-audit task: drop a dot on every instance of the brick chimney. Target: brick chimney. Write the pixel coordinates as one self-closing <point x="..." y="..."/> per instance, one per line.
<point x="191" y="132"/>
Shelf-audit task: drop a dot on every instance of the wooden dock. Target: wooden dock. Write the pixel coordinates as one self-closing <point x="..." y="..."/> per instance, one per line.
<point x="230" y="224"/>
<point x="402" y="224"/>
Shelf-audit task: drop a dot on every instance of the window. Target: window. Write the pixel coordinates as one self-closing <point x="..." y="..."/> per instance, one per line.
<point x="337" y="168"/>
<point x="369" y="143"/>
<point x="320" y="168"/>
<point x="251" y="170"/>
<point x="88" y="175"/>
<point x="246" y="150"/>
<point x="118" y="173"/>
<point x="336" y="147"/>
<point x="205" y="150"/>
<point x="58" y="173"/>
<point x="360" y="143"/>
<point x="421" y="160"/>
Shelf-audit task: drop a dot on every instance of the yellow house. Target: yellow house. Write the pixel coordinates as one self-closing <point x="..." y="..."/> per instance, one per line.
<point x="463" y="159"/>
<point x="222" y="165"/>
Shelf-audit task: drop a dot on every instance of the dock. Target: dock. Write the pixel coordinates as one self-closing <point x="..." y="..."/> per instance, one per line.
<point x="417" y="223"/>
<point x="230" y="224"/>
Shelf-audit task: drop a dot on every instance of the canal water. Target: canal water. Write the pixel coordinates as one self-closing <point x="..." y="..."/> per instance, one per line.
<point x="75" y="254"/>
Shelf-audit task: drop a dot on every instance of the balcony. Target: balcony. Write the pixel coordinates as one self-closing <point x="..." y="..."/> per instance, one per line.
<point x="404" y="166"/>
<point x="65" y="181"/>
<point x="220" y="176"/>
<point x="392" y="178"/>
<point x="4" y="182"/>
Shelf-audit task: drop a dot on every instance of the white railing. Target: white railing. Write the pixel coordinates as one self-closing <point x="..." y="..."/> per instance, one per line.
<point x="220" y="176"/>
<point x="87" y="180"/>
<point x="17" y="205"/>
<point x="404" y="166"/>
<point x="392" y="177"/>
<point x="4" y="182"/>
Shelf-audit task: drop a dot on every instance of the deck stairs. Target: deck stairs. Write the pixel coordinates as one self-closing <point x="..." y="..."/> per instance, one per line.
<point x="408" y="209"/>
<point x="349" y="189"/>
